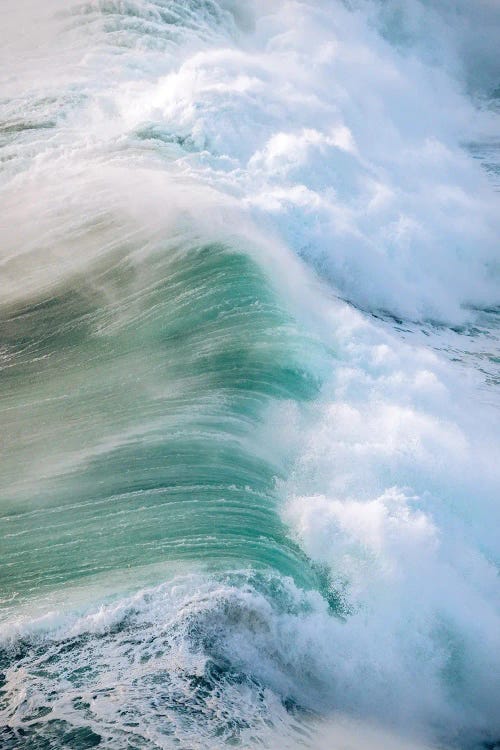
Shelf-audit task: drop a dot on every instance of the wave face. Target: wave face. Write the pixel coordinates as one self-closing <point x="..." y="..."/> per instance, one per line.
<point x="249" y="345"/>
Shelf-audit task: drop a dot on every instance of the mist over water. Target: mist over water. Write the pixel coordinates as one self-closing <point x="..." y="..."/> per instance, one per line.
<point x="249" y="346"/>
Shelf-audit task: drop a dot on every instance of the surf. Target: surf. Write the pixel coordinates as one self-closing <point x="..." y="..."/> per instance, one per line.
<point x="249" y="386"/>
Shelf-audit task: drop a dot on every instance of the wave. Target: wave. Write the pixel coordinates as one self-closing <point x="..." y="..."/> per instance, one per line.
<point x="347" y="145"/>
<point x="248" y="354"/>
<point x="163" y="370"/>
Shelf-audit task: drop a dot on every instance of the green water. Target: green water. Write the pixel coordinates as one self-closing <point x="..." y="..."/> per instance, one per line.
<point x="133" y="403"/>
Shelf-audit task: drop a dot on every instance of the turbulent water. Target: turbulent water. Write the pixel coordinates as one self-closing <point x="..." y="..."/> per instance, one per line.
<point x="249" y="386"/>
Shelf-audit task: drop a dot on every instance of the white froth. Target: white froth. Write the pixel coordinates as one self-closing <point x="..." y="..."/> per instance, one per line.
<point x="396" y="492"/>
<point x="347" y="145"/>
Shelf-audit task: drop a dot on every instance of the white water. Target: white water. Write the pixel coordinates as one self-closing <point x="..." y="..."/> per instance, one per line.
<point x="347" y="146"/>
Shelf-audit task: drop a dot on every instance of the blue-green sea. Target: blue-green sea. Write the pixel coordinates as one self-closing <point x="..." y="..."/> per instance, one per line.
<point x="249" y="348"/>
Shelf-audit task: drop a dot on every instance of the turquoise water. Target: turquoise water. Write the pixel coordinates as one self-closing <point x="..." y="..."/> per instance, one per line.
<point x="249" y="375"/>
<point x="147" y="388"/>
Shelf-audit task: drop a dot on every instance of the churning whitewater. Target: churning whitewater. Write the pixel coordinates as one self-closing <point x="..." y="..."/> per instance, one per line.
<point x="249" y="388"/>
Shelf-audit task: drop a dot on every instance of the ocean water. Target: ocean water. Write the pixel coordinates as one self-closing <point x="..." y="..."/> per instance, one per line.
<point x="249" y="384"/>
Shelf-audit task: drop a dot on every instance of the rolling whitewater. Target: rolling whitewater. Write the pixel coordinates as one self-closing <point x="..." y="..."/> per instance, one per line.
<point x="249" y="383"/>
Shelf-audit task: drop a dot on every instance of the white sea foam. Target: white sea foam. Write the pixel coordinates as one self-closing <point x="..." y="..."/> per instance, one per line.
<point x="396" y="491"/>
<point x="346" y="145"/>
<point x="219" y="651"/>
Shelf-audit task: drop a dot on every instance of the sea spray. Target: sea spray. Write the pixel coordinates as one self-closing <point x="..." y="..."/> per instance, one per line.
<point x="249" y="348"/>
